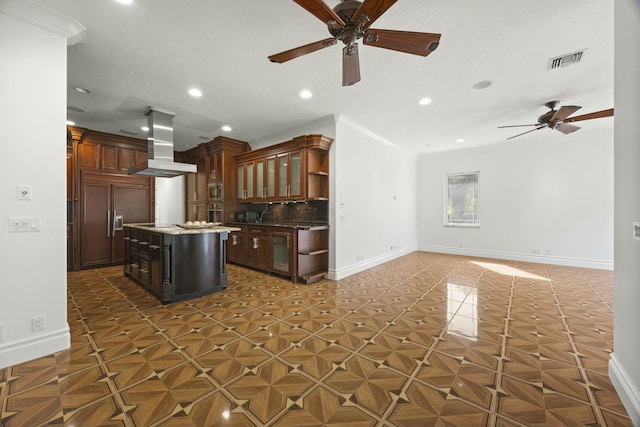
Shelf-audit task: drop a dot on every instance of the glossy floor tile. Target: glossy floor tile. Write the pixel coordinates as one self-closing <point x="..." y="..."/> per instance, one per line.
<point x="424" y="340"/>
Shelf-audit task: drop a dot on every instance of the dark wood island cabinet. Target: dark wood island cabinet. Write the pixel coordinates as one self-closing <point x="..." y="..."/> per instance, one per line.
<point x="175" y="263"/>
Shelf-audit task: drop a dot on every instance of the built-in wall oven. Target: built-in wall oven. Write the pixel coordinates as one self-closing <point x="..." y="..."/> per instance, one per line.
<point x="214" y="212"/>
<point x="215" y="191"/>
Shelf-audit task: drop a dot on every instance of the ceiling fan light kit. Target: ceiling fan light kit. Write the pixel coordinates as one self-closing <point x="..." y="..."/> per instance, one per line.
<point x="349" y="22"/>
<point x="559" y="119"/>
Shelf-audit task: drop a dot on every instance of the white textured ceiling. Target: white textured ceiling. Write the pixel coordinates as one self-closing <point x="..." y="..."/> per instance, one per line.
<point x="152" y="51"/>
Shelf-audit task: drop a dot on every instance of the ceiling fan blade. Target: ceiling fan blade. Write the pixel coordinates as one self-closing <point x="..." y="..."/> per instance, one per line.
<point x="302" y="50"/>
<point x="564" y="112"/>
<point x="403" y="41"/>
<point x="517" y="126"/>
<point x="323" y="12"/>
<point x="529" y="131"/>
<point x="596" y="115"/>
<point x="369" y="11"/>
<point x="350" y="65"/>
<point x="565" y="128"/>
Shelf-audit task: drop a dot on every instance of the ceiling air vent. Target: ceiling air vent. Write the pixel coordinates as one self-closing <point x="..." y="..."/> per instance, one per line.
<point x="565" y="60"/>
<point x="128" y="132"/>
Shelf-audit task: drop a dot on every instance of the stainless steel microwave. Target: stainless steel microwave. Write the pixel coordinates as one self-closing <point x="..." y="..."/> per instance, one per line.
<point x="215" y="191"/>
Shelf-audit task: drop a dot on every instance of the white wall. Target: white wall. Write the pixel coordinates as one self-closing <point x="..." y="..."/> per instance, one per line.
<point x="169" y="193"/>
<point x="33" y="82"/>
<point x="624" y="367"/>
<point x="373" y="200"/>
<point x="551" y="194"/>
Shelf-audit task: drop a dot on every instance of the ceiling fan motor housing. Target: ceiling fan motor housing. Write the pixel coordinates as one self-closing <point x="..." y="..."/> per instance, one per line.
<point x="351" y="32"/>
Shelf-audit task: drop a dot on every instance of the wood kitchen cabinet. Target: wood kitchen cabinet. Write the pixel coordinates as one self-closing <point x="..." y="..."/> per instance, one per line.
<point x="257" y="250"/>
<point x="301" y="253"/>
<point x="100" y="189"/>
<point x="108" y="153"/>
<point x="290" y="171"/>
<point x="197" y="188"/>
<point x="103" y="198"/>
<point x="214" y="183"/>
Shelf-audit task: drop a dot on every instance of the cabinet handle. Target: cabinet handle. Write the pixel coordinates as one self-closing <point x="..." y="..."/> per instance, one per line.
<point x="234" y="240"/>
<point x="108" y="223"/>
<point x="287" y="242"/>
<point x="255" y="243"/>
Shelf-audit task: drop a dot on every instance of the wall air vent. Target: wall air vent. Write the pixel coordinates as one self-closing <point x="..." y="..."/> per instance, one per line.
<point x="128" y="132"/>
<point x="565" y="60"/>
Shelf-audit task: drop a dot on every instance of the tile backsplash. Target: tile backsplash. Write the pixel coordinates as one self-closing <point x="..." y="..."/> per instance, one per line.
<point x="301" y="212"/>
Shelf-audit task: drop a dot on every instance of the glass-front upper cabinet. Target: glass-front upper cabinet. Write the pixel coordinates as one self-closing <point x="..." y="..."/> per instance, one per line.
<point x="249" y="183"/>
<point x="289" y="175"/>
<point x="241" y="186"/>
<point x="260" y="189"/>
<point x="283" y="176"/>
<point x="271" y="178"/>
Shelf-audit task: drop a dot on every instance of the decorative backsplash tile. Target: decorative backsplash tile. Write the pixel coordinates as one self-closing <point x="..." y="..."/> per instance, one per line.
<point x="301" y="212"/>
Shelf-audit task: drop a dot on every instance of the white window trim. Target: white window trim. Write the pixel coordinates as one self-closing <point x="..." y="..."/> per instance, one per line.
<point x="446" y="200"/>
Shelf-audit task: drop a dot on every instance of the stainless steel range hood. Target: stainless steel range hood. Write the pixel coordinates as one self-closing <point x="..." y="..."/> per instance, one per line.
<point x="160" y="161"/>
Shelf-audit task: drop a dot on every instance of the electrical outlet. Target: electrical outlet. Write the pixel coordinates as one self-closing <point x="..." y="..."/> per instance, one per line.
<point x="38" y="323"/>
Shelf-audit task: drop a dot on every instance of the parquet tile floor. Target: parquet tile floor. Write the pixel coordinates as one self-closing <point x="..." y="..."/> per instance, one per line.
<point x="424" y="340"/>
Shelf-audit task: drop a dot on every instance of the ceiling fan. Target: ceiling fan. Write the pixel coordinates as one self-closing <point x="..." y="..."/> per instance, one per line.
<point x="559" y="119"/>
<point x="348" y="22"/>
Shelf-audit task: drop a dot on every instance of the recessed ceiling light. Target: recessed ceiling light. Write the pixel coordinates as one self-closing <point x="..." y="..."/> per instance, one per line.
<point x="482" y="84"/>
<point x="144" y="128"/>
<point x="460" y="140"/>
<point x="81" y="89"/>
<point x="70" y="123"/>
<point x="425" y="101"/>
<point x="306" y="94"/>
<point x="404" y="130"/>
<point x="124" y="1"/>
<point x="226" y="128"/>
<point x="195" y="92"/>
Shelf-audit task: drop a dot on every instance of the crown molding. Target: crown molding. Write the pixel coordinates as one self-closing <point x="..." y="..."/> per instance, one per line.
<point x="40" y="16"/>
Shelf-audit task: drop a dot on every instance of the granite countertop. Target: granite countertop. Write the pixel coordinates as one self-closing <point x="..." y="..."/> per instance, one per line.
<point x="303" y="226"/>
<point x="176" y="229"/>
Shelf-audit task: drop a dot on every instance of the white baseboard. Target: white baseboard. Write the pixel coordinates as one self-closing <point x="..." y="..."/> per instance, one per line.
<point x="32" y="348"/>
<point x="337" y="274"/>
<point x="515" y="256"/>
<point x="626" y="389"/>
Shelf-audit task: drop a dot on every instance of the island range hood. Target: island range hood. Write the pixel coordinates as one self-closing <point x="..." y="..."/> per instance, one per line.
<point x="160" y="161"/>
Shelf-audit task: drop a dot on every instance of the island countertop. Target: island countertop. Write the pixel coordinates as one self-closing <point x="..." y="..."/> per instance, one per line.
<point x="176" y="229"/>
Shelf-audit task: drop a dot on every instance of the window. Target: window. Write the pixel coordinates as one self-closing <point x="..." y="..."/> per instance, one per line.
<point x="462" y="199"/>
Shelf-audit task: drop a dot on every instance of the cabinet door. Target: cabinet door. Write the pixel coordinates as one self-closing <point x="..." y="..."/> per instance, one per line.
<point x="281" y="252"/>
<point x="289" y="175"/>
<point x="263" y="252"/>
<point x="192" y="192"/>
<point x="109" y="158"/>
<point x="241" y="183"/>
<point x="260" y="190"/>
<point x="283" y="176"/>
<point x="127" y="158"/>
<point x="132" y="202"/>
<point x="295" y="175"/>
<point x="271" y="178"/>
<point x="249" y="169"/>
<point x="95" y="244"/>
<point x="88" y="156"/>
<point x="155" y="263"/>
<point x="201" y="180"/>
<point x="215" y="167"/>
<point x="236" y="244"/>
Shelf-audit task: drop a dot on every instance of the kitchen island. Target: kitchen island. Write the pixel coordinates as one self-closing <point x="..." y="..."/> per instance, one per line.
<point x="174" y="262"/>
